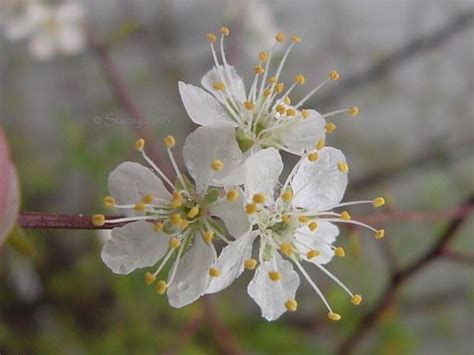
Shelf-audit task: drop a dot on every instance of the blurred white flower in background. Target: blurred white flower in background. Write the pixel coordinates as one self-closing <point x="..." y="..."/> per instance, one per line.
<point x="50" y="29"/>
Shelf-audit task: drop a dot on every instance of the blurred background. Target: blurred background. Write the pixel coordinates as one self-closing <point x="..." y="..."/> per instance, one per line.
<point x="409" y="67"/>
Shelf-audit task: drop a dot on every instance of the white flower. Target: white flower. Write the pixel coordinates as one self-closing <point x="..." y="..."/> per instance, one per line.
<point x="176" y="220"/>
<point x="265" y="115"/>
<point x="51" y="29"/>
<point x="295" y="222"/>
<point x="16" y="18"/>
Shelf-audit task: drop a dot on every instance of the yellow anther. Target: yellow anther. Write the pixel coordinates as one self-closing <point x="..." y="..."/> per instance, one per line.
<point x="250" y="208"/>
<point x="305" y="114"/>
<point x="259" y="69"/>
<point x="356" y="299"/>
<point x="290" y="112"/>
<point x="217" y="165"/>
<point x="303" y="219"/>
<point x="286" y="99"/>
<point x="312" y="226"/>
<point x="140" y="144"/>
<point x="109" y="202"/>
<point x="313" y="156"/>
<point x="232" y="195"/>
<point x="177" y="199"/>
<point x="320" y="144"/>
<point x="272" y="79"/>
<point x="334" y="316"/>
<point x="267" y="92"/>
<point x="279" y="87"/>
<point x="147" y="199"/>
<point x="287" y="196"/>
<point x="224" y="30"/>
<point x="183" y="224"/>
<point x="211" y="37"/>
<point x="174" y="243"/>
<point x="280" y="37"/>
<point x="175" y="219"/>
<point x="345" y="216"/>
<point x="280" y="109"/>
<point x="249" y="105"/>
<point x="258" y="198"/>
<point x="291" y="305"/>
<point x="354" y="111"/>
<point x="169" y="141"/>
<point x="285" y="218"/>
<point x="310" y="254"/>
<point x="296" y="39"/>
<point x="139" y="207"/>
<point x="161" y="287"/>
<point x="98" y="220"/>
<point x="285" y="248"/>
<point x="208" y="236"/>
<point x="214" y="272"/>
<point x="274" y="275"/>
<point x="330" y="127"/>
<point x="193" y="212"/>
<point x="333" y="75"/>
<point x="342" y="167"/>
<point x="379" y="234"/>
<point x="218" y="86"/>
<point x="149" y="278"/>
<point x="158" y="227"/>
<point x="299" y="79"/>
<point x="250" y="264"/>
<point x="263" y="56"/>
<point x="339" y="251"/>
<point x="378" y="202"/>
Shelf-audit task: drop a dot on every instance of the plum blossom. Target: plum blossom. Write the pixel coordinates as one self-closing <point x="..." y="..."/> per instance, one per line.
<point x="264" y="115"/>
<point x="16" y="18"/>
<point x="176" y="220"/>
<point x="293" y="223"/>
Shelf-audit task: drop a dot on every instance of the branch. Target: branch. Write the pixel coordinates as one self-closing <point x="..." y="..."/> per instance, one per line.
<point x="37" y="220"/>
<point x="417" y="45"/>
<point x="458" y="256"/>
<point x="400" y="276"/>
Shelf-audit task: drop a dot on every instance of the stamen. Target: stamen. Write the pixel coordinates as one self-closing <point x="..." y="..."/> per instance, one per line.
<point x="378" y="202"/>
<point x="330" y="127"/>
<point x="285" y="218"/>
<point x="299" y="79"/>
<point x="140" y="144"/>
<point x="149" y="278"/>
<point x="217" y="165"/>
<point x="258" y="198"/>
<point x="274" y="275"/>
<point x="208" y="236"/>
<point x="174" y="243"/>
<point x="312" y="226"/>
<point x="334" y="316"/>
<point x="250" y="264"/>
<point x="291" y="305"/>
<point x="342" y="167"/>
<point x="109" y="202"/>
<point x="305" y="114"/>
<point x="193" y="212"/>
<point x="290" y="112"/>
<point x="287" y="196"/>
<point x="339" y="252"/>
<point x="232" y="195"/>
<point x="155" y="167"/>
<point x="310" y="254"/>
<point x="335" y="279"/>
<point x="313" y="156"/>
<point x="98" y="220"/>
<point x="175" y="219"/>
<point x="286" y="249"/>
<point x="211" y="37"/>
<point x="224" y="30"/>
<point x="379" y="234"/>
<point x="147" y="199"/>
<point x="311" y="93"/>
<point x="356" y="299"/>
<point x="296" y="39"/>
<point x="333" y="75"/>
<point x="263" y="56"/>
<point x="320" y="144"/>
<point x="354" y="111"/>
<point x="259" y="69"/>
<point x="158" y="227"/>
<point x="345" y="216"/>
<point x="250" y="208"/>
<point x="280" y="37"/>
<point x="218" y="86"/>
<point x="161" y="287"/>
<point x="169" y="141"/>
<point x="214" y="272"/>
<point x="249" y="105"/>
<point x="139" y="207"/>
<point x="303" y="219"/>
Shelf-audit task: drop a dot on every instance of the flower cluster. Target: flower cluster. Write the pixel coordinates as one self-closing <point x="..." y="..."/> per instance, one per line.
<point x="232" y="194"/>
<point x="51" y="29"/>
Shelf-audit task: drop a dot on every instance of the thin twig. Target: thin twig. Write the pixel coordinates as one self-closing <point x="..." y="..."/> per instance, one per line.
<point x="458" y="256"/>
<point x="402" y="275"/>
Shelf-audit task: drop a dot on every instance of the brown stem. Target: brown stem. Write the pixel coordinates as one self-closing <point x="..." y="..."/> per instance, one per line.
<point x="123" y="96"/>
<point x="402" y="275"/>
<point x="36" y="220"/>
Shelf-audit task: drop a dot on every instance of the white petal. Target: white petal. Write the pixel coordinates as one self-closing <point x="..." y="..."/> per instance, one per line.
<point x="71" y="40"/>
<point x="231" y="78"/>
<point x="232" y="214"/>
<point x="9" y="197"/>
<point x="202" y="107"/>
<point x="231" y="262"/>
<point x="263" y="170"/>
<point x="272" y="295"/>
<point x="135" y="245"/>
<point x="319" y="185"/>
<point x="42" y="46"/>
<point x="320" y="240"/>
<point x="71" y="12"/>
<point x="303" y="135"/>
<point x="129" y="182"/>
<point x="192" y="277"/>
<point x="18" y="27"/>
<point x="206" y="144"/>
